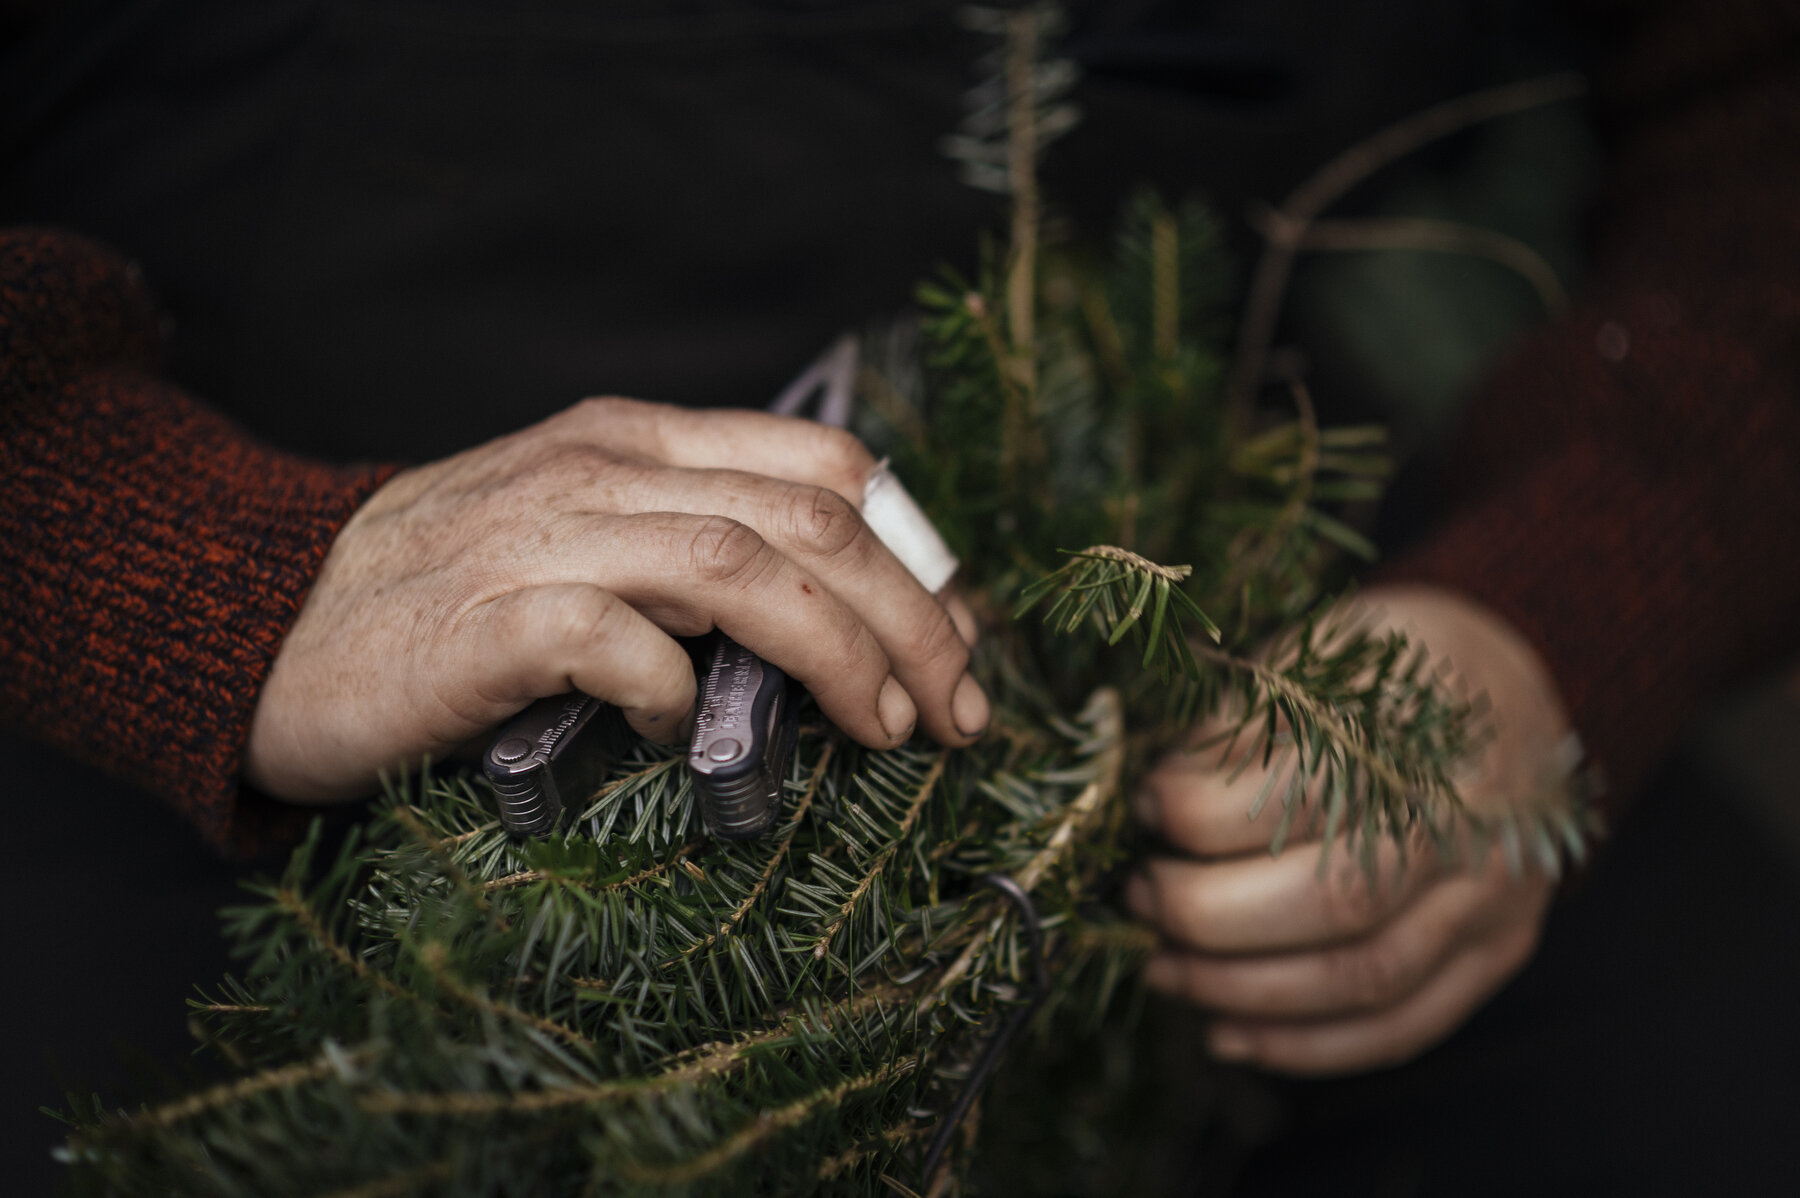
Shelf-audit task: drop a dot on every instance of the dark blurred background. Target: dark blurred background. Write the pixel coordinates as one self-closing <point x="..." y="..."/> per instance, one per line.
<point x="390" y="229"/>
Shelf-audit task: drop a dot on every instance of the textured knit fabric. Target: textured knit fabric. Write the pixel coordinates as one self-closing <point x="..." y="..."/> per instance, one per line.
<point x="151" y="555"/>
<point x="1631" y="479"/>
<point x="1630" y="482"/>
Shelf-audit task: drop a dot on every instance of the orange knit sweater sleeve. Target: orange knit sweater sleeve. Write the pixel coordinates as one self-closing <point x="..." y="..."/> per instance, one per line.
<point x="152" y="554"/>
<point x="1628" y="489"/>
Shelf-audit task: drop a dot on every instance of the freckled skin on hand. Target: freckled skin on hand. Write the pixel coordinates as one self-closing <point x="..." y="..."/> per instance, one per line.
<point x="575" y="553"/>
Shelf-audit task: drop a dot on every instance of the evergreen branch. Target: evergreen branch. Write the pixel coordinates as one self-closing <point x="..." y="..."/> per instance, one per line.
<point x="1165" y="276"/>
<point x="1014" y="388"/>
<point x="1103" y="329"/>
<point x="528" y="876"/>
<point x="408" y="818"/>
<point x="890" y="1139"/>
<point x="1248" y="563"/>
<point x="1108" y="722"/>
<point x="1128" y="937"/>
<point x="721" y="1061"/>
<point x="1298" y="697"/>
<point x="1022" y="43"/>
<point x="1336" y="751"/>
<point x="1107" y="717"/>
<point x="701" y="1063"/>
<point x="291" y="901"/>
<point x="286" y="1077"/>
<point x="480" y="1103"/>
<point x="765" y="1125"/>
<point x="704" y="1063"/>
<point x="775" y="859"/>
<point x="409" y="1182"/>
<point x="435" y="957"/>
<point x="874" y="871"/>
<point x="1116" y="587"/>
<point x="711" y="1059"/>
<point x="649" y="773"/>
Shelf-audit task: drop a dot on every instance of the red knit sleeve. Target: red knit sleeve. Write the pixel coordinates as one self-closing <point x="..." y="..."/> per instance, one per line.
<point x="1630" y="482"/>
<point x="152" y="555"/>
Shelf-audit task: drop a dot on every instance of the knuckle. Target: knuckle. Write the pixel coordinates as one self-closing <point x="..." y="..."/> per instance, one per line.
<point x="563" y="463"/>
<point x="824" y="521"/>
<point x="1352" y="904"/>
<point x="583" y="618"/>
<point x="859" y="660"/>
<point x="936" y="640"/>
<point x="723" y="550"/>
<point x="842" y="456"/>
<point x="608" y="407"/>
<point x="1367" y="975"/>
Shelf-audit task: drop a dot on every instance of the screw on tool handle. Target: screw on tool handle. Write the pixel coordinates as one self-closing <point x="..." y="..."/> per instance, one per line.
<point x="743" y="737"/>
<point x="547" y="756"/>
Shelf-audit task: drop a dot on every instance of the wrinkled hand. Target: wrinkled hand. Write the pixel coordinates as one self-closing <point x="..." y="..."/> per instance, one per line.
<point x="566" y="556"/>
<point x="1314" y="974"/>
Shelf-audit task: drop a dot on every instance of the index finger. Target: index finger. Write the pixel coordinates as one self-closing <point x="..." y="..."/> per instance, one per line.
<point x="1263" y="904"/>
<point x="821" y="531"/>
<point x="784" y="447"/>
<point x="1224" y="799"/>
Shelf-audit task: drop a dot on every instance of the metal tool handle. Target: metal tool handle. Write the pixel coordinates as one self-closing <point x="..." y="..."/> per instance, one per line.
<point x="547" y="756"/>
<point x="743" y="738"/>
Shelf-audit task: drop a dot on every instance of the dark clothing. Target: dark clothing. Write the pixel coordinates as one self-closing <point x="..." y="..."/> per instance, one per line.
<point x="389" y="230"/>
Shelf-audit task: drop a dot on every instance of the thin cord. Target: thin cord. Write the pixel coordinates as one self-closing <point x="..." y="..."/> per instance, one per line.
<point x="996" y="1049"/>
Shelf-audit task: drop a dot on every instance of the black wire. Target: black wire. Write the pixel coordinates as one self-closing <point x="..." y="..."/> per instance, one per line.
<point x="996" y="1049"/>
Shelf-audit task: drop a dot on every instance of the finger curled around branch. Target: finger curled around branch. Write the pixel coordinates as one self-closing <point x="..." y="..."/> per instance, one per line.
<point x="1390" y="1036"/>
<point x="691" y="573"/>
<point x="1369" y="973"/>
<point x="1260" y="904"/>
<point x="1209" y="804"/>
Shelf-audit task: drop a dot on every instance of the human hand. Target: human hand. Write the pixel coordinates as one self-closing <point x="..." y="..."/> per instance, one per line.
<point x="1314" y="971"/>
<point x="566" y="556"/>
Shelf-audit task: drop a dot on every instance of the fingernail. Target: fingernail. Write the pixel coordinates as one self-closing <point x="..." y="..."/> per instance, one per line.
<point x="1147" y="807"/>
<point x="969" y="709"/>
<point x="894" y="708"/>
<point x="1230" y="1042"/>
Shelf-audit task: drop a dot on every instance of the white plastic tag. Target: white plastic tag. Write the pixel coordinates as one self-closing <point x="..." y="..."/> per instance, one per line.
<point x="895" y="517"/>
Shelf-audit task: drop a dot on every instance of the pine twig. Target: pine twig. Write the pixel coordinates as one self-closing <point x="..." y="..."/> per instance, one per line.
<point x="765" y="1125"/>
<point x="1077" y="819"/>
<point x="435" y="958"/>
<point x="409" y="1181"/>
<point x="775" y="859"/>
<point x="285" y="1077"/>
<point x="291" y="901"/>
<point x="1249" y="564"/>
<point x="1443" y="236"/>
<point x="874" y="871"/>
